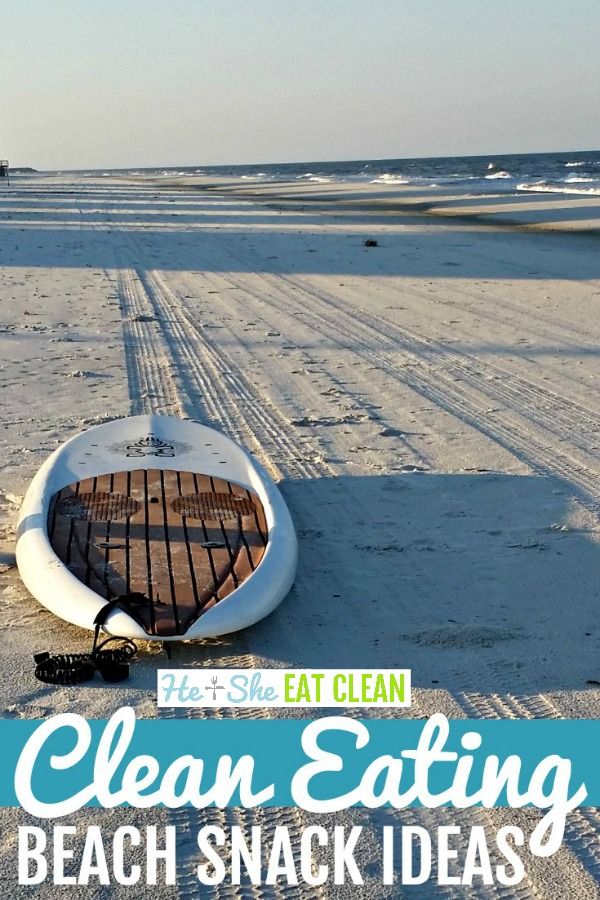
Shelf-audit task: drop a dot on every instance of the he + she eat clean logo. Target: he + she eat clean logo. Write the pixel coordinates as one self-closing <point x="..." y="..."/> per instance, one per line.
<point x="284" y="687"/>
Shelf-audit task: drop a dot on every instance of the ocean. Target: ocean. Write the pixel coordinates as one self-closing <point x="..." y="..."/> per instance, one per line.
<point x="568" y="173"/>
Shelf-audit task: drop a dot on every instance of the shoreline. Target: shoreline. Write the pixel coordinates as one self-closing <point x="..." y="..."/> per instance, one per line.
<point x="523" y="210"/>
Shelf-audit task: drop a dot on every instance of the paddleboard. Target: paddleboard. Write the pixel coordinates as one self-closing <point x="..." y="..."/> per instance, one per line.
<point x="163" y="509"/>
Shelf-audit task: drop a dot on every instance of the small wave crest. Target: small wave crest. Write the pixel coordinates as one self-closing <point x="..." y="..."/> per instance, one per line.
<point x="389" y="178"/>
<point x="577" y="179"/>
<point x="550" y="188"/>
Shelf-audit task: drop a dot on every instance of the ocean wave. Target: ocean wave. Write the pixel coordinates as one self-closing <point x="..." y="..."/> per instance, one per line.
<point x="388" y="178"/>
<point x="576" y="179"/>
<point x="546" y="188"/>
<point x="472" y="174"/>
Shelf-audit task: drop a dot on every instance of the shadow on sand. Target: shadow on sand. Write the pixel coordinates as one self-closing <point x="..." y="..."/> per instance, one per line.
<point x="473" y="581"/>
<point x="187" y="234"/>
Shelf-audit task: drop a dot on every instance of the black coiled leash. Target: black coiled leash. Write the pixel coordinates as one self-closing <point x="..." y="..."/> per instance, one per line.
<point x="112" y="664"/>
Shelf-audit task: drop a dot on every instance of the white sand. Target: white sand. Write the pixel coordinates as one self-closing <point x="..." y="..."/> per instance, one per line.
<point x="430" y="406"/>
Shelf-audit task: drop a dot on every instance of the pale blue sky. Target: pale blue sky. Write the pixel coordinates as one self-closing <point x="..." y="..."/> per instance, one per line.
<point x="142" y="82"/>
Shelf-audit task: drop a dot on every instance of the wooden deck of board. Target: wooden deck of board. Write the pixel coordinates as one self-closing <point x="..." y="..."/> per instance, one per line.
<point x="184" y="540"/>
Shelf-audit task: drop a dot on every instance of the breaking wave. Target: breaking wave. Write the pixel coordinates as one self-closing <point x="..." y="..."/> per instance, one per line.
<point x="548" y="188"/>
<point x="388" y="178"/>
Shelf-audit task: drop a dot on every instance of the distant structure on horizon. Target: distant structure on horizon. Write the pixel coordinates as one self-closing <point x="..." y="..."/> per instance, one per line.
<point x="4" y="170"/>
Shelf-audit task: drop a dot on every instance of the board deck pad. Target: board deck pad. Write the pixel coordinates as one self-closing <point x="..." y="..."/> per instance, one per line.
<point x="184" y="540"/>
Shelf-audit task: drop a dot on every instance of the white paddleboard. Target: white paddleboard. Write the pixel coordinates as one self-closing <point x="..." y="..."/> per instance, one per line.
<point x="164" y="509"/>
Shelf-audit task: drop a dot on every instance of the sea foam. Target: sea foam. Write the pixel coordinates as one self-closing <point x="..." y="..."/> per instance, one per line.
<point x="388" y="178"/>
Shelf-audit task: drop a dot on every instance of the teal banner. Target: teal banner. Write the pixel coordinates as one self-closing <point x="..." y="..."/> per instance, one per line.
<point x="71" y="762"/>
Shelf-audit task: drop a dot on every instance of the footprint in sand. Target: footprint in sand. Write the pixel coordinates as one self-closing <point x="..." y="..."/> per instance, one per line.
<point x="461" y="636"/>
<point x="308" y="422"/>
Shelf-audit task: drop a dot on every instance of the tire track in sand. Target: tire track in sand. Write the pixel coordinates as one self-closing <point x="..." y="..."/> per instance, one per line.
<point x="459" y="383"/>
<point x="155" y="386"/>
<point x="238" y="408"/>
<point x="170" y="309"/>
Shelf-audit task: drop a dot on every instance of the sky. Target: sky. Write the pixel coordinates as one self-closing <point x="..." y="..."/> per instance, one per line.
<point x="89" y="84"/>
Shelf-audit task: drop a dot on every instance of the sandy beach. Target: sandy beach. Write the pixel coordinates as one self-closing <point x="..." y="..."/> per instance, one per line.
<point x="429" y="406"/>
